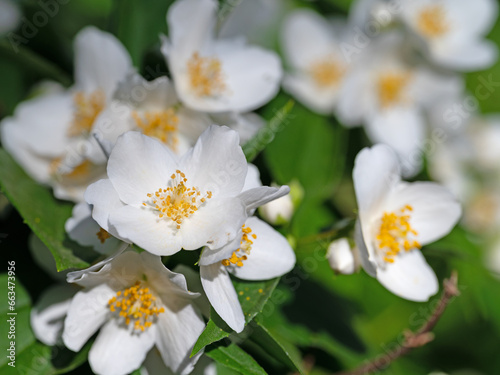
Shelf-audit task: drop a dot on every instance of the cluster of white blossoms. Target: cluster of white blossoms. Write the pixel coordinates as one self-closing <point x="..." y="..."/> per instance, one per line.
<point x="158" y="165"/>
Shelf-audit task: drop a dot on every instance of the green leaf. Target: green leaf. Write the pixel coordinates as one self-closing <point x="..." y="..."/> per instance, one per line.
<point x="311" y="148"/>
<point x="252" y="295"/>
<point x="32" y="357"/>
<point x="277" y="347"/>
<point x="235" y="358"/>
<point x="40" y="210"/>
<point x="266" y="134"/>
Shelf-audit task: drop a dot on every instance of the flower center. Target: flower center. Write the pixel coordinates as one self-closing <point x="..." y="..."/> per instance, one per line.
<point x="205" y="75"/>
<point x="87" y="108"/>
<point x="159" y="124"/>
<point x="177" y="202"/>
<point x="390" y="88"/>
<point x="396" y="234"/>
<point x="70" y="174"/>
<point x="432" y="21"/>
<point x="103" y="235"/>
<point x="136" y="304"/>
<point x="326" y="73"/>
<point x="244" y="249"/>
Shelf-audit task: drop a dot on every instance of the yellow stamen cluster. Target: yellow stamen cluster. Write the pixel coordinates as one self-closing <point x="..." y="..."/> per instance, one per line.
<point x="177" y="202"/>
<point x="87" y="108"/>
<point x="103" y="235"/>
<point x="395" y="233"/>
<point x="136" y="304"/>
<point x="159" y="124"/>
<point x="390" y="88"/>
<point x="80" y="172"/>
<point x="326" y="73"/>
<point x="205" y="75"/>
<point x="432" y="21"/>
<point x="245" y="247"/>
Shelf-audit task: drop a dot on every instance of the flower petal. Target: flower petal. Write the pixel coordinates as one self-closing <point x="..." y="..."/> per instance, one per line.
<point x="139" y="165"/>
<point x="118" y="350"/>
<point x="101" y="61"/>
<point x="47" y="316"/>
<point x="222" y="295"/>
<point x="409" y="277"/>
<point x="435" y="209"/>
<point x="271" y="254"/>
<point x="178" y="328"/>
<point x="87" y="312"/>
<point x="256" y="197"/>
<point x="146" y="229"/>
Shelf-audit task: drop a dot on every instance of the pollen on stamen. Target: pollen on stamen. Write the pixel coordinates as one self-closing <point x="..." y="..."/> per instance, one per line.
<point x="396" y="234"/>
<point x="206" y="77"/>
<point x="244" y="249"/>
<point x="178" y="201"/>
<point x="162" y="125"/>
<point x="103" y="235"/>
<point x="136" y="305"/>
<point x="431" y="21"/>
<point x="326" y="72"/>
<point x="391" y="87"/>
<point x="86" y="109"/>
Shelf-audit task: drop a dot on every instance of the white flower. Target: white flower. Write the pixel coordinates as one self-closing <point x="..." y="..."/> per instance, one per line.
<point x="216" y="75"/>
<point x="451" y="31"/>
<point x="396" y="219"/>
<point x="279" y="211"/>
<point x="258" y="253"/>
<point x="164" y="203"/>
<point x="153" y="108"/>
<point x="50" y="135"/>
<point x="342" y="258"/>
<point x="86" y="232"/>
<point x="388" y="96"/>
<point x="159" y="312"/>
<point x="10" y="15"/>
<point x="313" y="53"/>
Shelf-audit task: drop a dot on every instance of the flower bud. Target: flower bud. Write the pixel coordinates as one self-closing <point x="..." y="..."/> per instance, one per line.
<point x="342" y="258"/>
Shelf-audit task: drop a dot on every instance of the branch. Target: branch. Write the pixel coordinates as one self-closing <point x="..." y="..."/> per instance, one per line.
<point x="412" y="339"/>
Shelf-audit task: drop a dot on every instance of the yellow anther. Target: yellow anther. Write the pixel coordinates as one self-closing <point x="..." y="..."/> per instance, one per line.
<point x="87" y="108"/>
<point x="136" y="304"/>
<point x="326" y="73"/>
<point x="177" y="202"/>
<point x="162" y="125"/>
<point x="431" y="21"/>
<point x="102" y="235"/>
<point x="245" y="247"/>
<point x="205" y="75"/>
<point x="395" y="232"/>
<point x="391" y="87"/>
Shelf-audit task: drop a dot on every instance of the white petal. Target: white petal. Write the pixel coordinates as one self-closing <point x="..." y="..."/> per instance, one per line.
<point x="409" y="277"/>
<point x="153" y="364"/>
<point x="104" y="199"/>
<point x="403" y="129"/>
<point x="178" y="328"/>
<point x="256" y="197"/>
<point x="247" y="125"/>
<point x="252" y="179"/>
<point x="472" y="18"/>
<point x="365" y="247"/>
<point x="306" y="37"/>
<point x="435" y="209"/>
<point x="279" y="211"/>
<point x="271" y="254"/>
<point x="145" y="228"/>
<point x="119" y="350"/>
<point x="210" y="256"/>
<point x="101" y="61"/>
<point x="47" y="316"/>
<point x="376" y="172"/>
<point x="87" y="312"/>
<point x="216" y="163"/>
<point x="222" y="295"/>
<point x="139" y="165"/>
<point x="467" y="56"/>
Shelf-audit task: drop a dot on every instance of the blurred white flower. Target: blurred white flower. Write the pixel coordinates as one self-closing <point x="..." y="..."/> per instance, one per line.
<point x="216" y="75"/>
<point x="388" y="95"/>
<point x="342" y="258"/>
<point x="50" y="135"/>
<point x="279" y="211"/>
<point x="452" y="31"/>
<point x="164" y="203"/>
<point x="10" y="16"/>
<point x="318" y="68"/>
<point x="259" y="252"/>
<point x="396" y="219"/>
<point x="137" y="304"/>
